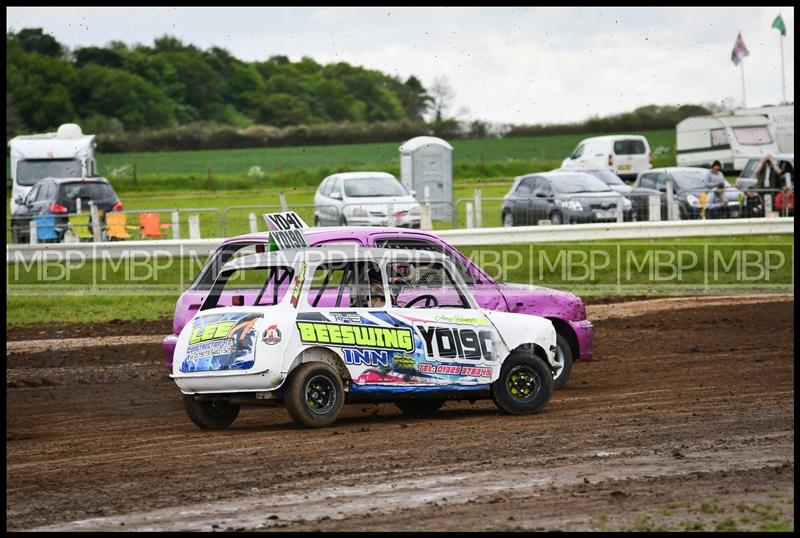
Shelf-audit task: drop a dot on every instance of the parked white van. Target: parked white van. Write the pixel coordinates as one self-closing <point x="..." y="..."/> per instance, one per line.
<point x="625" y="155"/>
<point x="731" y="140"/>
<point x="782" y="118"/>
<point x="65" y="153"/>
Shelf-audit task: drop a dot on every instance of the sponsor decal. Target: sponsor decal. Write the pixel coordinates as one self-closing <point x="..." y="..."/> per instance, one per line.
<point x="454" y="369"/>
<point x="400" y="339"/>
<point x="366" y="357"/>
<point x="346" y="317"/>
<point x="448" y="343"/>
<point x="298" y="284"/>
<point x="404" y="362"/>
<point x="272" y="335"/>
<point x="221" y="342"/>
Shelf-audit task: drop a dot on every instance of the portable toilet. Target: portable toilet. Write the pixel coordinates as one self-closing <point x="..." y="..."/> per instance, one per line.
<point x="426" y="162"/>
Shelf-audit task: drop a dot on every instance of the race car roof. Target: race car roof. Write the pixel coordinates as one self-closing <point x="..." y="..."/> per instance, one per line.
<point x="337" y="253"/>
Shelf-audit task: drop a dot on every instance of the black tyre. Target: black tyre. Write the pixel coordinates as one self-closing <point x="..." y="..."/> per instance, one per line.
<point x="314" y="395"/>
<point x="16" y="235"/>
<point x="524" y="385"/>
<point x="210" y="414"/>
<point x="316" y="222"/>
<point x="342" y="221"/>
<point x="419" y="408"/>
<point x="556" y="218"/>
<point x="563" y="362"/>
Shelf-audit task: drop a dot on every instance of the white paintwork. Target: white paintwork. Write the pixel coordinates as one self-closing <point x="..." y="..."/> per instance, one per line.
<point x="596" y="151"/>
<point x="782" y="118"/>
<point x="274" y="362"/>
<point x="695" y="133"/>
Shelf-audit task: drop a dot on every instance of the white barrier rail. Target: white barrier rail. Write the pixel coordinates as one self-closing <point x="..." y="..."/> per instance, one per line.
<point x="468" y="237"/>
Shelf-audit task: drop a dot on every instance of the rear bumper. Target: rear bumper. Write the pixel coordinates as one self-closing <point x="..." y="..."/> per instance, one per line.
<point x="584" y="331"/>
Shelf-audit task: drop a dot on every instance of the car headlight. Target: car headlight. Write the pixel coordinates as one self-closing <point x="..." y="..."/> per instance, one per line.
<point x="356" y="211"/>
<point x="692" y="200"/>
<point x="626" y="204"/>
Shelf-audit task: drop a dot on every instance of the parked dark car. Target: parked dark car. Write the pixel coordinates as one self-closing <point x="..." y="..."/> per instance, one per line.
<point x="59" y="197"/>
<point x="563" y="198"/>
<point x="690" y="184"/>
<point x="785" y="162"/>
<point x="611" y="179"/>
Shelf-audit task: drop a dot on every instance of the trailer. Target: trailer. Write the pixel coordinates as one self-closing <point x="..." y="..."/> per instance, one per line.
<point x="731" y="140"/>
<point x="66" y="153"/>
<point x="782" y="118"/>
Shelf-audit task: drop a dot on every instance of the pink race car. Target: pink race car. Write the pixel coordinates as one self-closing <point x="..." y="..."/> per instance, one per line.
<point x="565" y="310"/>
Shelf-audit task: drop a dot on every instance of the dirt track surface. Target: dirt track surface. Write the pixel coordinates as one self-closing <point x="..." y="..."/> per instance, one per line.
<point x="685" y="420"/>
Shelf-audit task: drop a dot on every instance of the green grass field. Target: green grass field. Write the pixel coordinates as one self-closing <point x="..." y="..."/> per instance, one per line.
<point x="148" y="290"/>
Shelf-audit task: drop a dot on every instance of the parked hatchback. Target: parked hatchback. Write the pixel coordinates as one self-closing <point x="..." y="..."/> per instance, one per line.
<point x="785" y="162"/>
<point x="563" y="198"/>
<point x="690" y="185"/>
<point x="59" y="197"/>
<point x="625" y="155"/>
<point x="365" y="199"/>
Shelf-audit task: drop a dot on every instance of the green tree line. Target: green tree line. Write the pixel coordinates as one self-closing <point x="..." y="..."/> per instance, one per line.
<point x="121" y="88"/>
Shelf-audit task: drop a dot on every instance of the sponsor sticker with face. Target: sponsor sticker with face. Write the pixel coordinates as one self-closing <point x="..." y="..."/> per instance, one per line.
<point x="272" y="335"/>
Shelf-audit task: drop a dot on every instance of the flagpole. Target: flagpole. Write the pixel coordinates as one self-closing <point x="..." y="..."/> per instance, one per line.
<point x="744" y="100"/>
<point x="783" y="77"/>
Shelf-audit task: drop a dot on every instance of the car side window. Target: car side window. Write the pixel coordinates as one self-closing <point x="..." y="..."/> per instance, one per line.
<point x="422" y="244"/>
<point x="648" y="181"/>
<point x="347" y="285"/>
<point x="578" y="151"/>
<point x="661" y="181"/>
<point x="325" y="187"/>
<point x="525" y="187"/>
<point x="33" y="194"/>
<point x="543" y="187"/>
<point x="417" y="284"/>
<point x="336" y="186"/>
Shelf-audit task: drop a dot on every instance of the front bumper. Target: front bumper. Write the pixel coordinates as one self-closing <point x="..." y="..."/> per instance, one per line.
<point x="584" y="332"/>
<point x="168" y="344"/>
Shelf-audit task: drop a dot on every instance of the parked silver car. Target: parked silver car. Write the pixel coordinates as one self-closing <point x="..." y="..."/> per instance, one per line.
<point x="365" y="199"/>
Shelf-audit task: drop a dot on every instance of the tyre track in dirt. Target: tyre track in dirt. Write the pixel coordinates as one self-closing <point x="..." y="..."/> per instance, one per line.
<point x="655" y="423"/>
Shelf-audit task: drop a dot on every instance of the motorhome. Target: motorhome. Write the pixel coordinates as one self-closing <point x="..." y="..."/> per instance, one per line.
<point x="66" y="153"/>
<point x="731" y="140"/>
<point x="782" y="118"/>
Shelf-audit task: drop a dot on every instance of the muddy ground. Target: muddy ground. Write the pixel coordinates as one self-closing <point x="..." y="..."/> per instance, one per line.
<point x="685" y="420"/>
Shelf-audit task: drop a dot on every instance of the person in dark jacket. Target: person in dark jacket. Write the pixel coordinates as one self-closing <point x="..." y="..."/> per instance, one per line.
<point x="752" y="205"/>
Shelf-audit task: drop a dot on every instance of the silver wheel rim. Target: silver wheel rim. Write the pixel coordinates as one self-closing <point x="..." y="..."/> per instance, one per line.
<point x="558" y="362"/>
<point x="508" y="220"/>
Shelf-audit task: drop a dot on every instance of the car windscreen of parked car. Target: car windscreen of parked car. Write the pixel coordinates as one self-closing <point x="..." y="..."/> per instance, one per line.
<point x="606" y="176"/>
<point x="570" y="184"/>
<point x="366" y="187"/>
<point x="30" y="171"/>
<point x="629" y="147"/>
<point x="692" y="180"/>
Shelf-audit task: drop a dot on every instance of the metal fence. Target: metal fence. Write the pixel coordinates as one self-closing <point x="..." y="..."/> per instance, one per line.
<point x="465" y="213"/>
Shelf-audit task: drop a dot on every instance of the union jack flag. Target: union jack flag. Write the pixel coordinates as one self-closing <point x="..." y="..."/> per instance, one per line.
<point x="739" y="50"/>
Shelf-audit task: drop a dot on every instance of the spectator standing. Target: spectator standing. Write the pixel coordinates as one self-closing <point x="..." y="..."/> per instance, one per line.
<point x="767" y="173"/>
<point x="715" y="175"/>
<point x="784" y="202"/>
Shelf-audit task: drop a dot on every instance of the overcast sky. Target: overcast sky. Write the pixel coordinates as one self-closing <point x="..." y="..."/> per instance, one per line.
<point x="509" y="65"/>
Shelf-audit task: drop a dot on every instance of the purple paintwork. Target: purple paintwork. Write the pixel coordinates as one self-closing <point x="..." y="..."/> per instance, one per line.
<point x="564" y="309"/>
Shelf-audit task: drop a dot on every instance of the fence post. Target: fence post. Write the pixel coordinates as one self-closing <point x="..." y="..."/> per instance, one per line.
<point x="176" y="225"/>
<point x="654" y="209"/>
<point x="768" y="205"/>
<point x="283" y="202"/>
<point x="620" y="213"/>
<point x="78" y="205"/>
<point x="470" y="215"/>
<point x="425" y="220"/>
<point x="32" y="227"/>
<point x="194" y="226"/>
<point x="253" y="223"/>
<point x="478" y="210"/>
<point x="671" y="215"/>
<point x="97" y="232"/>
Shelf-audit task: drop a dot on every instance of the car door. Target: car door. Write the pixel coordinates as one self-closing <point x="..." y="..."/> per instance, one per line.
<point x="542" y="200"/>
<point x="521" y="201"/>
<point x="334" y="205"/>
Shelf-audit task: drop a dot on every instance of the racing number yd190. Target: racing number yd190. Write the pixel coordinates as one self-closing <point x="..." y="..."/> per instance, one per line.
<point x="455" y="343"/>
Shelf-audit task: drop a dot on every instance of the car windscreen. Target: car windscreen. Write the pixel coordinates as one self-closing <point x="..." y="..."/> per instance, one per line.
<point x="630" y="146"/>
<point x="750" y="168"/>
<point x="692" y="180"/>
<point x="753" y="136"/>
<point x="221" y="256"/>
<point x="607" y="177"/>
<point x="86" y="190"/>
<point x="570" y="184"/>
<point x="373" y="186"/>
<point x="254" y="286"/>
<point x="29" y="171"/>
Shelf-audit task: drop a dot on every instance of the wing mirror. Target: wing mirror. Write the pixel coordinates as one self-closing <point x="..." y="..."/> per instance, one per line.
<point x="19" y="200"/>
<point x="541" y="195"/>
<point x="336" y="195"/>
<point x="413" y="193"/>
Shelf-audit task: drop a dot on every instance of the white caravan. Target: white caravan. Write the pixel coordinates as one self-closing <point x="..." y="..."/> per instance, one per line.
<point x="65" y="153"/>
<point x="731" y="140"/>
<point x="625" y="155"/>
<point x="782" y="118"/>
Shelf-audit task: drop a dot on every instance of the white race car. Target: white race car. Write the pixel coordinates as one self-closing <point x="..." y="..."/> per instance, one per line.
<point x="315" y="327"/>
